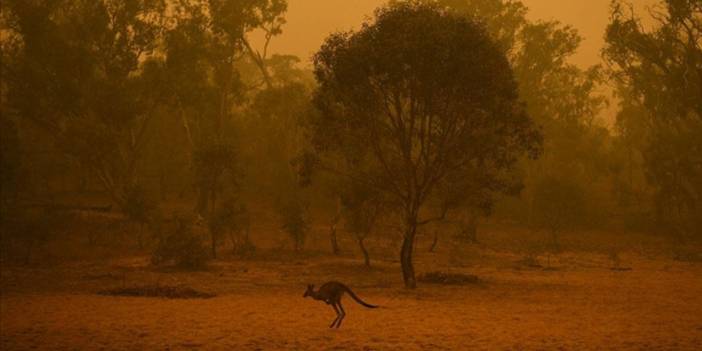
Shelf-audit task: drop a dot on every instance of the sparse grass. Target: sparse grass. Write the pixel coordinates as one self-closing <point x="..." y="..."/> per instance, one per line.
<point x="448" y="278"/>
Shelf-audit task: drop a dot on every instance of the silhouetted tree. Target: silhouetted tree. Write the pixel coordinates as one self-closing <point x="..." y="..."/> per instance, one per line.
<point x="294" y="219"/>
<point x="362" y="208"/>
<point x="559" y="206"/>
<point x="216" y="172"/>
<point x="10" y="163"/>
<point x="427" y="94"/>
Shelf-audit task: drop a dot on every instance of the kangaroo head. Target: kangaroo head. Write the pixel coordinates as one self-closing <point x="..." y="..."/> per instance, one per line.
<point x="309" y="291"/>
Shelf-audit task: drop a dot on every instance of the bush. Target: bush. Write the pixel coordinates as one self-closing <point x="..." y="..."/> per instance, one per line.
<point x="24" y="233"/>
<point x="232" y="217"/>
<point x="294" y="222"/>
<point x="139" y="209"/>
<point x="183" y="248"/>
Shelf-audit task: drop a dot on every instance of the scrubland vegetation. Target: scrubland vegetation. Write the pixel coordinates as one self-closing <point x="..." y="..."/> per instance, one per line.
<point x="168" y="183"/>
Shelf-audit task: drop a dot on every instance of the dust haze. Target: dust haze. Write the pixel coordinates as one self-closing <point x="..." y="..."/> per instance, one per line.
<point x="351" y="175"/>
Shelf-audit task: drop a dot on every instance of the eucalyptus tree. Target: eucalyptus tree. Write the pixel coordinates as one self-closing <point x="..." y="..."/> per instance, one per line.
<point x="85" y="73"/>
<point x="661" y="68"/>
<point x="205" y="52"/>
<point x="426" y="94"/>
<point x="561" y="97"/>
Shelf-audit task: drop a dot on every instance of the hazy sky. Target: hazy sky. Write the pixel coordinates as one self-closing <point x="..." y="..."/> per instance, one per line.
<point x="310" y="21"/>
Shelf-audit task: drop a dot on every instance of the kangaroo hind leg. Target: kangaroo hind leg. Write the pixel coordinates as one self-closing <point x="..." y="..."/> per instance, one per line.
<point x="341" y="316"/>
<point x="337" y="316"/>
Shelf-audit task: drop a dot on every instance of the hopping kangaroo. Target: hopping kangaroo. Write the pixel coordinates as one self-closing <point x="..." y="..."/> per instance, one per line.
<point x="331" y="293"/>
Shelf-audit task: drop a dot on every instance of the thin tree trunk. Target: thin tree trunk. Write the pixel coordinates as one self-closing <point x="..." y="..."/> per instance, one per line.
<point x="28" y="255"/>
<point x="140" y="235"/>
<point x="213" y="197"/>
<point x="247" y="237"/>
<point x="232" y="238"/>
<point x="203" y="199"/>
<point x="436" y="240"/>
<point x="470" y="229"/>
<point x="366" y="257"/>
<point x="162" y="183"/>
<point x="406" y="255"/>
<point x="332" y="229"/>
<point x="334" y="243"/>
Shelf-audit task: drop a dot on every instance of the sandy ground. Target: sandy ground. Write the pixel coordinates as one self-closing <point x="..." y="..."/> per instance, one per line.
<point x="655" y="306"/>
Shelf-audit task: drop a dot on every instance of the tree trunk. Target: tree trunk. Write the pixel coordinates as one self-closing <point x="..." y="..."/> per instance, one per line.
<point x="334" y="242"/>
<point x="162" y="184"/>
<point x="214" y="243"/>
<point x="436" y="240"/>
<point x="213" y="211"/>
<point x="469" y="231"/>
<point x="28" y="254"/>
<point x="366" y="257"/>
<point x="406" y="255"/>
<point x="203" y="199"/>
<point x="140" y="235"/>
<point x="332" y="229"/>
<point x="235" y="244"/>
<point x="247" y="237"/>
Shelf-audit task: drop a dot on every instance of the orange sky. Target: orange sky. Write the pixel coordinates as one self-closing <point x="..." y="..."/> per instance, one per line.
<point x="310" y="21"/>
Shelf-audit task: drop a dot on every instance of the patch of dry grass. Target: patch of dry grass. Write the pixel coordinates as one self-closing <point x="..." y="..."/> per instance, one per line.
<point x="169" y="292"/>
<point x="448" y="278"/>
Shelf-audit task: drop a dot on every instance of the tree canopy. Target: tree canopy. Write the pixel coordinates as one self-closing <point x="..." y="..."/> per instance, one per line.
<point x="426" y="94"/>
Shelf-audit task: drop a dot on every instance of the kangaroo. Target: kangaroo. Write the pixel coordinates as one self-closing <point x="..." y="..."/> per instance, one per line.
<point x="331" y="293"/>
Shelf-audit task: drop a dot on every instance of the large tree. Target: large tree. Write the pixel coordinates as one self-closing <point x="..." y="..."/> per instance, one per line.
<point x="427" y="94"/>
<point x="205" y="53"/>
<point x="661" y="70"/>
<point x="83" y="72"/>
<point x="561" y="97"/>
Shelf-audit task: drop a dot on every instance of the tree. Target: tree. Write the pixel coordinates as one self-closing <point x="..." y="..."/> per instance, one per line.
<point x="362" y="208"/>
<point x="562" y="98"/>
<point x="663" y="68"/>
<point x="470" y="196"/>
<point x="293" y="217"/>
<point x="559" y="206"/>
<point x="205" y="52"/>
<point x="84" y="73"/>
<point x="232" y="218"/>
<point x="10" y="163"/>
<point x="216" y="173"/>
<point x="427" y="94"/>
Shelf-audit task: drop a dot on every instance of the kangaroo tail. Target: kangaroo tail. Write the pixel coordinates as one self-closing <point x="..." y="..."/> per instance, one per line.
<point x="358" y="299"/>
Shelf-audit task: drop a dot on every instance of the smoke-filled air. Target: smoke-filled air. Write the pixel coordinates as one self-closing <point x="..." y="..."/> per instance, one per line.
<point x="350" y="175"/>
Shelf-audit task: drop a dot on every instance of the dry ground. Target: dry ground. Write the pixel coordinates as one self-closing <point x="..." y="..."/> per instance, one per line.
<point x="581" y="305"/>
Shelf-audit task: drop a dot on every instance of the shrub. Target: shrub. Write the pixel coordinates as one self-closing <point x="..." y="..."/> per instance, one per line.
<point x="232" y="218"/>
<point x="294" y="222"/>
<point x="183" y="247"/>
<point x="24" y="233"/>
<point x="139" y="209"/>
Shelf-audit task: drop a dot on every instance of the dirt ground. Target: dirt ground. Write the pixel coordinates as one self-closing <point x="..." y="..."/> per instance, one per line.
<point x="581" y="304"/>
